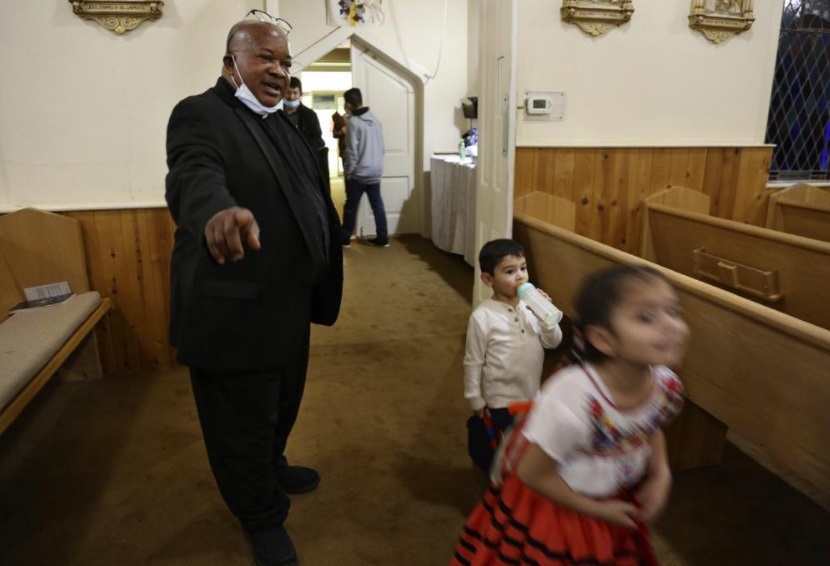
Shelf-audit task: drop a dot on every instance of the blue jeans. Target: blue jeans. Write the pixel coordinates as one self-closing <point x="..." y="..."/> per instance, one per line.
<point x="354" y="192"/>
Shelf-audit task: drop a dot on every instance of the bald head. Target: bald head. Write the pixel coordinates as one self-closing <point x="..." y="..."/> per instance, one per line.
<point x="242" y="34"/>
<point x="258" y="56"/>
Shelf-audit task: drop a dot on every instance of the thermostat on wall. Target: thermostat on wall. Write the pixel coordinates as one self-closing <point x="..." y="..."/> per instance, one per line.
<point x="545" y="105"/>
<point x="539" y="104"/>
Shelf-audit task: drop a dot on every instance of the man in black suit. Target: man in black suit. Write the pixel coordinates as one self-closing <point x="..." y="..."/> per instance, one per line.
<point x="307" y="122"/>
<point x="256" y="259"/>
<point x="301" y="115"/>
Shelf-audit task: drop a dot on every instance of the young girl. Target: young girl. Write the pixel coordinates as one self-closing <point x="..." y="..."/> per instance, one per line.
<point x="586" y="470"/>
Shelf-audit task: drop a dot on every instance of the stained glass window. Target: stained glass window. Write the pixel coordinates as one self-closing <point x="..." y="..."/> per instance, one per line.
<point x="799" y="116"/>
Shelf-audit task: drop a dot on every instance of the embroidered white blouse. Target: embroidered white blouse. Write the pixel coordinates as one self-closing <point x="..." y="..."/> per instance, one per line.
<point x="600" y="449"/>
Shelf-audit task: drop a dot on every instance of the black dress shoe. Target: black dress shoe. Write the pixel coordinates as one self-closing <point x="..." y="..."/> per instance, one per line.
<point x="273" y="547"/>
<point x="297" y="479"/>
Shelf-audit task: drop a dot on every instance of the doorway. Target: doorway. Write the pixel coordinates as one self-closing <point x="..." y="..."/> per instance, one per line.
<point x="394" y="95"/>
<point x="324" y="82"/>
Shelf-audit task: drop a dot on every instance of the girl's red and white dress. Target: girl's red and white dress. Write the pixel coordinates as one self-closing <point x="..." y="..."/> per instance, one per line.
<point x="602" y="452"/>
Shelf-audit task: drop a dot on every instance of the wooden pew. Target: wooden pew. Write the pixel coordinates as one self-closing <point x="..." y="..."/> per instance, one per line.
<point x="802" y="210"/>
<point x="547" y="208"/>
<point x="38" y="248"/>
<point x="782" y="271"/>
<point x="749" y="367"/>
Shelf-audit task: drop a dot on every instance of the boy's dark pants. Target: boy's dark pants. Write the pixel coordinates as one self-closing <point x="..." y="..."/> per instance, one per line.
<point x="483" y="436"/>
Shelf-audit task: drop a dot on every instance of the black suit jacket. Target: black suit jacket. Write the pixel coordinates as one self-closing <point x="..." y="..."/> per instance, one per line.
<point x="251" y="314"/>
<point x="309" y="125"/>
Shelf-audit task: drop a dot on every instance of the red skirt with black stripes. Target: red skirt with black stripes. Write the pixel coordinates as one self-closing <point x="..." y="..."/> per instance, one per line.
<point x="514" y="525"/>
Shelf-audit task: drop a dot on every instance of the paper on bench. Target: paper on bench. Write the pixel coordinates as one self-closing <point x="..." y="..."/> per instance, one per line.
<point x="61" y="288"/>
<point x="43" y="295"/>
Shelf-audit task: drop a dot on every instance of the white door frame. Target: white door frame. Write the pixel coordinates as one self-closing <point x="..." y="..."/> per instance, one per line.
<point x="392" y="100"/>
<point x="337" y="37"/>
<point x="497" y="120"/>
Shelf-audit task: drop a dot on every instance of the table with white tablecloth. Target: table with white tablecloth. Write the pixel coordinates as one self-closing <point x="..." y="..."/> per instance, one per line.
<point x="454" y="206"/>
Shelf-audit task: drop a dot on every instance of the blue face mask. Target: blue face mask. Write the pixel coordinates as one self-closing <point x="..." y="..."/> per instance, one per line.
<point x="248" y="98"/>
<point x="291" y="103"/>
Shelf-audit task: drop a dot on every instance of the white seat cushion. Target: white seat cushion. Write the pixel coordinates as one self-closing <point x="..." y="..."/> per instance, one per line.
<point x="29" y="339"/>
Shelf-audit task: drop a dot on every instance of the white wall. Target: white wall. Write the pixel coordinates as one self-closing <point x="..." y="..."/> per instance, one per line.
<point x="653" y="81"/>
<point x="412" y="37"/>
<point x="473" y="25"/>
<point x="83" y="111"/>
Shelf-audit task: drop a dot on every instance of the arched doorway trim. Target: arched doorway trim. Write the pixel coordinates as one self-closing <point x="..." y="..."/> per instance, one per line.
<point x="335" y="38"/>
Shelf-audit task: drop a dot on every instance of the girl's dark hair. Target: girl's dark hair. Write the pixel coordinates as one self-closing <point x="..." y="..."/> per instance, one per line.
<point x="600" y="293"/>
<point x="495" y="250"/>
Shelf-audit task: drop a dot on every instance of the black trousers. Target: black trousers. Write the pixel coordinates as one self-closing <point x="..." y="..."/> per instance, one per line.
<point x="246" y="419"/>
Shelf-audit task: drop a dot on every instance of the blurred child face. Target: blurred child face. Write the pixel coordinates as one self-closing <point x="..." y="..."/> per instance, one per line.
<point x="647" y="326"/>
<point x="510" y="272"/>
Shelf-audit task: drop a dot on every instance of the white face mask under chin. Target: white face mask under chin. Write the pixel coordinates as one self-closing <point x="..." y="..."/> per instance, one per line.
<point x="248" y="98"/>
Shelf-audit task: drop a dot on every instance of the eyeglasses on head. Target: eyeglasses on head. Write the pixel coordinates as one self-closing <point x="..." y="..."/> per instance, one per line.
<point x="268" y="18"/>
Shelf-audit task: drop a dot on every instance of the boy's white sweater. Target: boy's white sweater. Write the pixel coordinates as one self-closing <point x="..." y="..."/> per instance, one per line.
<point x="504" y="355"/>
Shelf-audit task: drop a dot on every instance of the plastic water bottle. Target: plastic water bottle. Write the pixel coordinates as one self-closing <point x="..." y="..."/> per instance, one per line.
<point x="538" y="304"/>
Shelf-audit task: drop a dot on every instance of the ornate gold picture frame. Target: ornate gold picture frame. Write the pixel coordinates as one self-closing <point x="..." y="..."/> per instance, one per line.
<point x="119" y="17"/>
<point x="595" y="17"/>
<point x="719" y="20"/>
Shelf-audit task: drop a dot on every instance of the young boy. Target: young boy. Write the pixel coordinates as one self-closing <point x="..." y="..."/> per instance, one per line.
<point x="504" y="355"/>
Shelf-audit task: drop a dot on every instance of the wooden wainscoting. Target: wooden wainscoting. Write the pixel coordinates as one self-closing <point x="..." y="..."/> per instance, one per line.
<point x="128" y="255"/>
<point x="608" y="184"/>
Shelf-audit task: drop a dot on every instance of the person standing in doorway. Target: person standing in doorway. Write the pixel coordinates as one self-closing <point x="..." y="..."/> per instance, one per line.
<point x="363" y="167"/>
<point x="306" y="121"/>
<point x="338" y="131"/>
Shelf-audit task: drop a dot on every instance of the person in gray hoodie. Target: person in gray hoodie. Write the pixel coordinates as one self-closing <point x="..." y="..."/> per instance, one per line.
<point x="363" y="167"/>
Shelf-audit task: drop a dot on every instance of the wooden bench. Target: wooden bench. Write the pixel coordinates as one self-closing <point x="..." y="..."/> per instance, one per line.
<point x="38" y="248"/>
<point x="782" y="271"/>
<point x="749" y="367"/>
<point x="547" y="208"/>
<point x="802" y="210"/>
